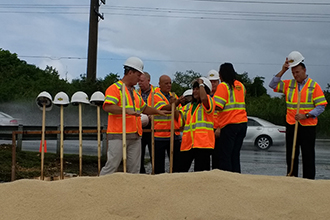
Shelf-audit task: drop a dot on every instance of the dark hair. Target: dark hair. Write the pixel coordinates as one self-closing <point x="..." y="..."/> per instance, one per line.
<point x="196" y="85"/>
<point x="127" y="69"/>
<point x="227" y="73"/>
<point x="302" y="65"/>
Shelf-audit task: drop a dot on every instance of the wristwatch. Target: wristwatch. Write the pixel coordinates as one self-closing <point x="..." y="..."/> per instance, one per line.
<point x="201" y="84"/>
<point x="307" y="115"/>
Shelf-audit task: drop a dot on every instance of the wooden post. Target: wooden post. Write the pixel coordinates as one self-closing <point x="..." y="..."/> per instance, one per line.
<point x="98" y="140"/>
<point x="13" y="157"/>
<point x="43" y="140"/>
<point x="80" y="141"/>
<point x="61" y="141"/>
<point x="123" y="102"/>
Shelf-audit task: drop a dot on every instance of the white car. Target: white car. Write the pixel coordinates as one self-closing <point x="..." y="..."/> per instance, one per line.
<point x="263" y="134"/>
<point x="6" y="120"/>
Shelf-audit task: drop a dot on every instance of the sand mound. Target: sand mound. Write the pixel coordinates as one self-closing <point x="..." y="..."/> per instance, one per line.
<point x="205" y="195"/>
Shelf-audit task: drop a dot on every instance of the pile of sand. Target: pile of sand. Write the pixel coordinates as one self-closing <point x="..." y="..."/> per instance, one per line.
<point x="205" y="195"/>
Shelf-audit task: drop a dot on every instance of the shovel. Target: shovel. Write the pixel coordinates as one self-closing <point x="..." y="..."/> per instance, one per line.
<point x="294" y="137"/>
<point x="123" y="101"/>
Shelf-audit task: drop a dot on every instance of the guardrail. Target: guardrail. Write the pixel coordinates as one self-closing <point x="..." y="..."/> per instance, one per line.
<point x="51" y="133"/>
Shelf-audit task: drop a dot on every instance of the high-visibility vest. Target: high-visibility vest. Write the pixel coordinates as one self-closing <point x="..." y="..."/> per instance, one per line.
<point x="113" y="95"/>
<point x="152" y="90"/>
<point x="216" y="118"/>
<point x="232" y="102"/>
<point x="311" y="96"/>
<point x="198" y="129"/>
<point x="164" y="122"/>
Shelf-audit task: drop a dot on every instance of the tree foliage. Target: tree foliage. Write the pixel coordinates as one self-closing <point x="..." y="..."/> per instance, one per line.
<point x="21" y="81"/>
<point x="182" y="81"/>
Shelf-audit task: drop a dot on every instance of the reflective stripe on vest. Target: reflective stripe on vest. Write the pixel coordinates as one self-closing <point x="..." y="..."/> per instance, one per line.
<point x="135" y="103"/>
<point x="198" y="130"/>
<point x="164" y="122"/>
<point x="306" y="101"/>
<point x="233" y="110"/>
<point x="152" y="91"/>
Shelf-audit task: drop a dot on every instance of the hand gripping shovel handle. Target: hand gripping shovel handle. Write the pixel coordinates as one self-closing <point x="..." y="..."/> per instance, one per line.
<point x="294" y="137"/>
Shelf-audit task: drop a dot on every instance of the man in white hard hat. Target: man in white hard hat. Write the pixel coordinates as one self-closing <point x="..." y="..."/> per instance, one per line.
<point x="312" y="104"/>
<point x="133" y="69"/>
<point x="146" y="90"/>
<point x="213" y="76"/>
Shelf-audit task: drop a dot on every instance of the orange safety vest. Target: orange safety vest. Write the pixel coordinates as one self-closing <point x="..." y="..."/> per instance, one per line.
<point x="216" y="120"/>
<point x="113" y="95"/>
<point x="232" y="102"/>
<point x="198" y="129"/>
<point x="164" y="122"/>
<point x="311" y="96"/>
<point x="152" y="90"/>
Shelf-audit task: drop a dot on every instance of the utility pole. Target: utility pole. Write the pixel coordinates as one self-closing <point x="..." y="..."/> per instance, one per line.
<point x="92" y="40"/>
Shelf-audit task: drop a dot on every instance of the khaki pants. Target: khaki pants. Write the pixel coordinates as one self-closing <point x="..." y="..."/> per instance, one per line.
<point x="115" y="156"/>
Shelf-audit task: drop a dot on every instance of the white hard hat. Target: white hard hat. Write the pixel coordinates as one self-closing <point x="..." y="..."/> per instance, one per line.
<point x="207" y="82"/>
<point x="79" y="97"/>
<point x="187" y="92"/>
<point x="97" y="98"/>
<point x="61" y="98"/>
<point x="213" y="75"/>
<point x="44" y="98"/>
<point x="144" y="120"/>
<point x="135" y="63"/>
<point x="295" y="58"/>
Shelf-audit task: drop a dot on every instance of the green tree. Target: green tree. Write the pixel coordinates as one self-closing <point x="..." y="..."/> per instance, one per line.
<point x="182" y="81"/>
<point x="257" y="88"/>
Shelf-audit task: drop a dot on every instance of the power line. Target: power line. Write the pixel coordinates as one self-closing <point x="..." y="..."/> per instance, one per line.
<point x="180" y="13"/>
<point x="269" y="2"/>
<point x="156" y="60"/>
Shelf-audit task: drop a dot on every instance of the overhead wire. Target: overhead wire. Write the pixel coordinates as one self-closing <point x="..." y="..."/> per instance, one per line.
<point x="172" y="12"/>
<point x="156" y="60"/>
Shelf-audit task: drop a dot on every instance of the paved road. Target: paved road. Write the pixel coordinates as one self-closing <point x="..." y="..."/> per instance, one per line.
<point x="272" y="162"/>
<point x="253" y="161"/>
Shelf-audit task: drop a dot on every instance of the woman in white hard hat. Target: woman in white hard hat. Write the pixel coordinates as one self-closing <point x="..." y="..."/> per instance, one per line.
<point x="198" y="136"/>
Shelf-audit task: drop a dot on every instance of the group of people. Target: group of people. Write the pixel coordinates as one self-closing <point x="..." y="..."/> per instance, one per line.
<point x="211" y="115"/>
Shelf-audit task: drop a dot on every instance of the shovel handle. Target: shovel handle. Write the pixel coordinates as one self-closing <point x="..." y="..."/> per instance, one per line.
<point x="294" y="138"/>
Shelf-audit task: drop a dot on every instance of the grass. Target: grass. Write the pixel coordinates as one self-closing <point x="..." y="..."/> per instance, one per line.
<point x="28" y="164"/>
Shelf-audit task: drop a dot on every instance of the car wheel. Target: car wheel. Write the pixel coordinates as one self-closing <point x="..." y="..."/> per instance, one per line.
<point x="263" y="142"/>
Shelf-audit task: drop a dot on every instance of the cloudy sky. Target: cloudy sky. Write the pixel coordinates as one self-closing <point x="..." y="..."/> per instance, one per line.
<point x="171" y="35"/>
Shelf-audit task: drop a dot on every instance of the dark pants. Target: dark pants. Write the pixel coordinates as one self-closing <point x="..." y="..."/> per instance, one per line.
<point x="230" y="144"/>
<point x="145" y="140"/>
<point x="216" y="154"/>
<point x="160" y="147"/>
<point x="306" y="140"/>
<point x="201" y="157"/>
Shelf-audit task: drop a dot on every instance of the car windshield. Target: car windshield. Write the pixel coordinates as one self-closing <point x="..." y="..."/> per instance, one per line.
<point x="265" y="123"/>
<point x="5" y="115"/>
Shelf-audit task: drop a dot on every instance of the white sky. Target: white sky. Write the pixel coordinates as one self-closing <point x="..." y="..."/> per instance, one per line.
<point x="171" y="35"/>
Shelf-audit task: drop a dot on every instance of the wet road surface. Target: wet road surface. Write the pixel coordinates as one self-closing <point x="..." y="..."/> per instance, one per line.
<point x="253" y="161"/>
